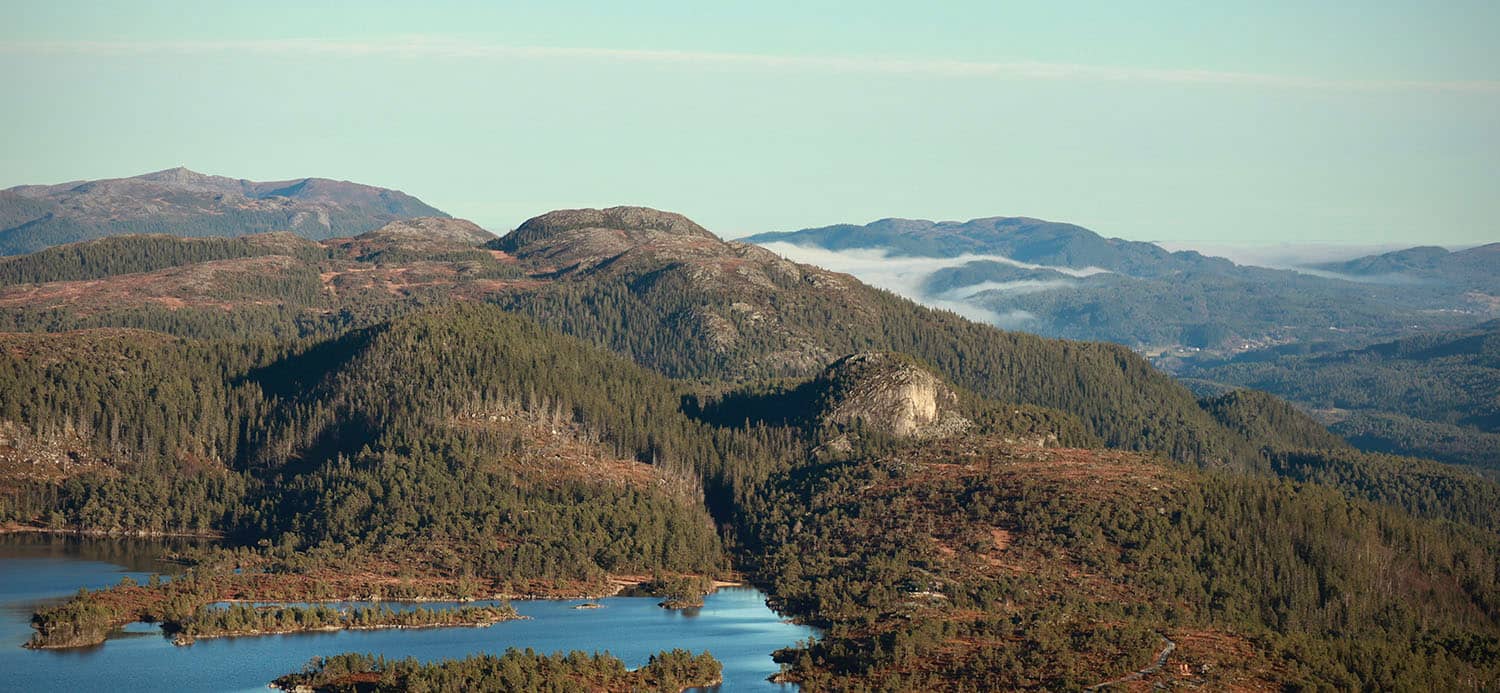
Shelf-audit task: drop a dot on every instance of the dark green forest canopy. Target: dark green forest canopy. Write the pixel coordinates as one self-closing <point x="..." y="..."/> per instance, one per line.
<point x="130" y="254"/>
<point x="239" y="414"/>
<point x="1298" y="447"/>
<point x="358" y="441"/>
<point x="1118" y="395"/>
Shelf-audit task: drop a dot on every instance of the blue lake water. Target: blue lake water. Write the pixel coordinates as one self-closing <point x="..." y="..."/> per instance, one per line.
<point x="734" y="624"/>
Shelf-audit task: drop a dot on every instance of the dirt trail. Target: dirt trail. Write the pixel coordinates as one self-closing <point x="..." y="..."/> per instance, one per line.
<point x="1161" y="661"/>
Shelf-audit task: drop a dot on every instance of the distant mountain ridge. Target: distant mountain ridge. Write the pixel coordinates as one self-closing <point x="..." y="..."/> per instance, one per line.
<point x="182" y="202"/>
<point x="1063" y="280"/>
<point x="1474" y="268"/>
<point x="1023" y="239"/>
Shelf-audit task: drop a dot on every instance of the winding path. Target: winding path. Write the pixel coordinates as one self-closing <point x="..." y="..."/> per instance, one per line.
<point x="1161" y="661"/>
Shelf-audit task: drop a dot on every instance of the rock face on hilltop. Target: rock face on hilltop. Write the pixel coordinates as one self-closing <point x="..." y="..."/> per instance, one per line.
<point x="589" y="221"/>
<point x="889" y="393"/>
<point x="636" y="241"/>
<point x="622" y="239"/>
<point x="432" y="230"/>
<point x="186" y="203"/>
<point x="421" y="238"/>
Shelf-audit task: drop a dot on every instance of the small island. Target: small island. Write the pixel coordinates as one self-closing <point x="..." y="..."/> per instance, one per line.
<point x="189" y="607"/>
<point x="224" y="594"/>
<point x="677" y="591"/>
<point x="676" y="670"/>
<point x="238" y="620"/>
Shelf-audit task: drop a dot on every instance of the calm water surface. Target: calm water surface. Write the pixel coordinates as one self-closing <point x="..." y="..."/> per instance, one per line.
<point x="734" y="624"/>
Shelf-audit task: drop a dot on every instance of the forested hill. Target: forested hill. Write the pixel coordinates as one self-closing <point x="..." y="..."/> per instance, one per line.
<point x="690" y="305"/>
<point x="1436" y="395"/>
<point x="645" y="284"/>
<point x="186" y="203"/>
<point x="649" y="285"/>
<point x="465" y="450"/>
<point x="407" y="439"/>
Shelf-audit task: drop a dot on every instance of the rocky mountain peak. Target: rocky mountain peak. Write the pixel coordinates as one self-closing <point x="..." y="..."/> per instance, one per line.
<point x="179" y="174"/>
<point x="618" y="219"/>
<point x="177" y="179"/>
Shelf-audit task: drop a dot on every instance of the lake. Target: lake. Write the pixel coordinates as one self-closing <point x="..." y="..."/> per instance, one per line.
<point x="734" y="624"/>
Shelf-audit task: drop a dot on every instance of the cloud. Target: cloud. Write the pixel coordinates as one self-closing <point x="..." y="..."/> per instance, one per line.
<point x="880" y="265"/>
<point x="1299" y="258"/>
<point x="899" y="273"/>
<point x="1070" y="271"/>
<point x="1013" y="288"/>
<point x="444" y="47"/>
<point x="1391" y="279"/>
<point x="906" y="276"/>
<point x="1284" y="255"/>
<point x="1012" y="320"/>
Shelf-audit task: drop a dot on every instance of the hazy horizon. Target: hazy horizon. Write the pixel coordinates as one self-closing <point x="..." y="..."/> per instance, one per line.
<point x="1261" y="125"/>
<point x="1274" y="254"/>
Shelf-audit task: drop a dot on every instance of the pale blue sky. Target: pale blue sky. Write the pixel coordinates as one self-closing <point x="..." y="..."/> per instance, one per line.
<point x="1369" y="122"/>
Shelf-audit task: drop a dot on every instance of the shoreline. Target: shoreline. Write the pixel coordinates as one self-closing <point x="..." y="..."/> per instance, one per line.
<point x="89" y="618"/>
<point x="186" y="640"/>
<point x="614" y="588"/>
<point x="12" y="528"/>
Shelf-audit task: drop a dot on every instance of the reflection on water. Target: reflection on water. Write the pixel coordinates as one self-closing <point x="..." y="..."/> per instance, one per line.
<point x="733" y="623"/>
<point x="134" y="555"/>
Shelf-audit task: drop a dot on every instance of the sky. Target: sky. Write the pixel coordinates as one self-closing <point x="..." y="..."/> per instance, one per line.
<point x="1227" y="123"/>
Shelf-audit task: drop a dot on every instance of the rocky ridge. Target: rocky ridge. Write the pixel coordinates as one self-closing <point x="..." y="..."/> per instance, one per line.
<point x="187" y="203"/>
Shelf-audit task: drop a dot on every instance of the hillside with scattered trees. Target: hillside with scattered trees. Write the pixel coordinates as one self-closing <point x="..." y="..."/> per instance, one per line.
<point x="606" y="394"/>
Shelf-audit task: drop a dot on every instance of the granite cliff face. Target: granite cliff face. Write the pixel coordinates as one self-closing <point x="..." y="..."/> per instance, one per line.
<point x="891" y="394"/>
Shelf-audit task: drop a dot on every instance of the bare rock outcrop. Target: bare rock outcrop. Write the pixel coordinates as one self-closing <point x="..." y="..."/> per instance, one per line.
<point x="431" y="231"/>
<point x="617" y="219"/>
<point x="891" y="394"/>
